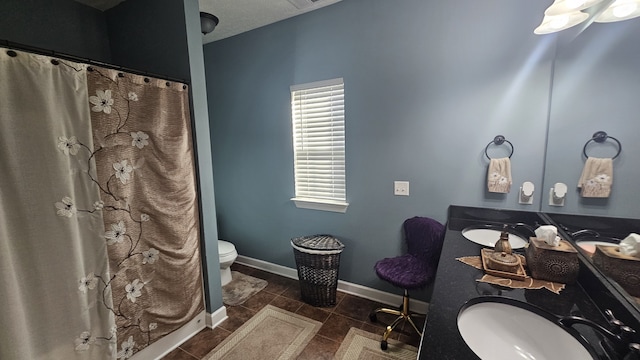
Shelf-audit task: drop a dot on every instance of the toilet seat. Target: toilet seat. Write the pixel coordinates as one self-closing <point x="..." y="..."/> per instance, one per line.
<point x="225" y="248"/>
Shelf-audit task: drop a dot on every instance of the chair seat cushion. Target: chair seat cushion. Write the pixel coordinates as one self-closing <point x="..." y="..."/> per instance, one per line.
<point x="404" y="271"/>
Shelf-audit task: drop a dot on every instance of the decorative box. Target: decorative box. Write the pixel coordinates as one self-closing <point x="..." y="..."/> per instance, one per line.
<point x="624" y="269"/>
<point x="552" y="263"/>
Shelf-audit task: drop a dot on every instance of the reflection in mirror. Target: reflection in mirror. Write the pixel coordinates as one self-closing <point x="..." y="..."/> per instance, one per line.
<point x="595" y="85"/>
<point x="597" y="238"/>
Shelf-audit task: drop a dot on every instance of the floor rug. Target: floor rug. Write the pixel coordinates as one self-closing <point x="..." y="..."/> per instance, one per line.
<point x="272" y="333"/>
<point x="240" y="288"/>
<point x="362" y="345"/>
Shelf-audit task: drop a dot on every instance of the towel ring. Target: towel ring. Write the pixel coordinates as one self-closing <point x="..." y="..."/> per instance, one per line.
<point x="498" y="140"/>
<point x="600" y="137"/>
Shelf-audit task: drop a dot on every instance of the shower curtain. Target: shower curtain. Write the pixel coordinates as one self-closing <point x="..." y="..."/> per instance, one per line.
<point x="99" y="229"/>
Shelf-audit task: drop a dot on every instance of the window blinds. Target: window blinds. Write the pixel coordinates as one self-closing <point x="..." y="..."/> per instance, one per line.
<point x="319" y="140"/>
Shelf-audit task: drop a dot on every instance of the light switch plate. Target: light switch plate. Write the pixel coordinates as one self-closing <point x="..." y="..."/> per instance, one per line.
<point x="401" y="188"/>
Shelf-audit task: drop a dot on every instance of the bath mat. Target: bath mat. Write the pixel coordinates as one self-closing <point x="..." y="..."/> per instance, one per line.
<point x="363" y="345"/>
<point x="272" y="333"/>
<point x="241" y="288"/>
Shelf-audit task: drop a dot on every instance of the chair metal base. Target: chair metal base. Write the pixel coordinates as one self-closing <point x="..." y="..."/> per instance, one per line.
<point x="402" y="315"/>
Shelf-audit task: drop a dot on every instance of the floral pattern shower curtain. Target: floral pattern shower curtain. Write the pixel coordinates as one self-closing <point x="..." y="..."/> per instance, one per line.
<point x="99" y="230"/>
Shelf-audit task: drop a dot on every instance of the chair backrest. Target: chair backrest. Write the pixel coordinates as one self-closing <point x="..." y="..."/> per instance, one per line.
<point x="424" y="238"/>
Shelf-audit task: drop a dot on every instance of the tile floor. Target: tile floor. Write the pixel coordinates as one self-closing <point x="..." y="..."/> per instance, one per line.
<point x="350" y="311"/>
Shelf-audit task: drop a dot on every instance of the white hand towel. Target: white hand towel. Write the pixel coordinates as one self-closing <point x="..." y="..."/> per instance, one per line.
<point x="499" y="175"/>
<point x="596" y="178"/>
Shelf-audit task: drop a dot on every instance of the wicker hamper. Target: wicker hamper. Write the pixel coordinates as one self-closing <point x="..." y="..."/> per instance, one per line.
<point x="318" y="260"/>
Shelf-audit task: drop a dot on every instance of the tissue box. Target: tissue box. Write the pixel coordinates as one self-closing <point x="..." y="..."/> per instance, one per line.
<point x="552" y="263"/>
<point x="624" y="269"/>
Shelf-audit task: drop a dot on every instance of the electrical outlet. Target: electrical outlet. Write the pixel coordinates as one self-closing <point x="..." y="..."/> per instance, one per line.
<point x="401" y="188"/>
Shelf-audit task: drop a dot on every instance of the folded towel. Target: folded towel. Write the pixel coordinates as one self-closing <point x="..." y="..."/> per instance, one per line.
<point x="499" y="175"/>
<point x="596" y="178"/>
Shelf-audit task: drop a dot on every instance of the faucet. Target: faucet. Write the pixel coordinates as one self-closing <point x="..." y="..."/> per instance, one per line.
<point x="579" y="232"/>
<point x="585" y="232"/>
<point x="634" y="352"/>
<point x="526" y="226"/>
<point x="620" y="337"/>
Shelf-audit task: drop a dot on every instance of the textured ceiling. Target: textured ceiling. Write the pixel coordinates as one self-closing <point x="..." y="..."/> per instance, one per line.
<point x="238" y="16"/>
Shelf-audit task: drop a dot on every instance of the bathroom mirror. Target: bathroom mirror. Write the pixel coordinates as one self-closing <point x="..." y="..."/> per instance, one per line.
<point x="595" y="86"/>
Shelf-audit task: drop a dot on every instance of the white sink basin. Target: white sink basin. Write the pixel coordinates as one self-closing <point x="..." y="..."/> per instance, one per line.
<point x="488" y="237"/>
<point x="498" y="328"/>
<point x="590" y="245"/>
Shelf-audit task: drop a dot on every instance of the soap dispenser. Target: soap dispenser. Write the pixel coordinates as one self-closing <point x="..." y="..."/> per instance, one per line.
<point x="503" y="245"/>
<point x="501" y="258"/>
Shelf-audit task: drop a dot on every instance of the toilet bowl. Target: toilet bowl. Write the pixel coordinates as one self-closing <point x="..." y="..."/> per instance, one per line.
<point x="228" y="255"/>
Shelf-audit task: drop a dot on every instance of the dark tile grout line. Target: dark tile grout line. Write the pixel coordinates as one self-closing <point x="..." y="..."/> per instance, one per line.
<point x="190" y="354"/>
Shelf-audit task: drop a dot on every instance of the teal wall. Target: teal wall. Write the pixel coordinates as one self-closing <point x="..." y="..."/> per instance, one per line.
<point x="428" y="84"/>
<point x="596" y="87"/>
<point x="150" y="35"/>
<point x="203" y="146"/>
<point x="61" y="25"/>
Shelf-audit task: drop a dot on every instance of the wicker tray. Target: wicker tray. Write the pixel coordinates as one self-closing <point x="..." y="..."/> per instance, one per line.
<point x="519" y="275"/>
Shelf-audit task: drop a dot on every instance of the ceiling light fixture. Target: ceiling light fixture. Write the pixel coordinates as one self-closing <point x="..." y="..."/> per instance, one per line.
<point x="560" y="7"/>
<point x="555" y="23"/>
<point x="620" y="10"/>
<point x="208" y="22"/>
<point x="563" y="14"/>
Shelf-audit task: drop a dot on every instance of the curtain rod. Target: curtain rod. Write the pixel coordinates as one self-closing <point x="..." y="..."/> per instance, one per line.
<point x="41" y="51"/>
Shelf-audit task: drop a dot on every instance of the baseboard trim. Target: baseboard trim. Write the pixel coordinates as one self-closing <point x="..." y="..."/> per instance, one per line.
<point x="269" y="267"/>
<point x="171" y="341"/>
<point x="217" y="317"/>
<point x="393" y="300"/>
<point x="347" y="287"/>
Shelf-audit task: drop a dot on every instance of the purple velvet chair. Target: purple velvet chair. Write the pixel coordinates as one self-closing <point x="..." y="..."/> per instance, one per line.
<point x="413" y="270"/>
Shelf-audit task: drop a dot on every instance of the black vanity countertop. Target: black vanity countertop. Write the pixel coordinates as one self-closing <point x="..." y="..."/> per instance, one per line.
<point x="456" y="283"/>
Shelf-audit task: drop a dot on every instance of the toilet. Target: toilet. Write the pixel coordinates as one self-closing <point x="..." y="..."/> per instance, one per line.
<point x="228" y="255"/>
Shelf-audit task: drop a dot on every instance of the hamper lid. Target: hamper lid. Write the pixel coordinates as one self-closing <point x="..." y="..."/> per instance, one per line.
<point x="318" y="242"/>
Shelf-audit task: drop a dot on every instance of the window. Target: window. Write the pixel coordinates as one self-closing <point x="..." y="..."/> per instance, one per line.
<point x="317" y="111"/>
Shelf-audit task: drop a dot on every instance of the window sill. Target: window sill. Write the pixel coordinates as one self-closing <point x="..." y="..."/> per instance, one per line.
<point x="323" y="205"/>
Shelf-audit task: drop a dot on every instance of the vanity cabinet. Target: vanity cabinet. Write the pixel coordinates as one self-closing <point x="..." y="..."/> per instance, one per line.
<point x="456" y="283"/>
